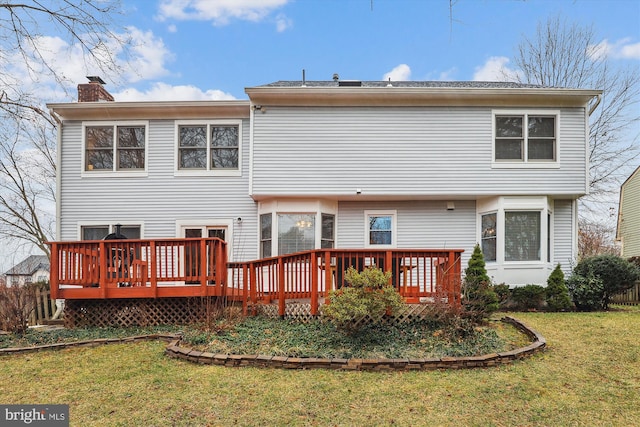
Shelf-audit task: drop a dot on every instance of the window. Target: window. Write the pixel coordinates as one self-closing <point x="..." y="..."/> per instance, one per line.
<point x="99" y="232"/>
<point x="115" y="147"/>
<point x="380" y="229"/>
<point x="208" y="147"/>
<point x="296" y="233"/>
<point x="328" y="231"/>
<point x="489" y="234"/>
<point x="522" y="236"/>
<point x="265" y="235"/>
<point x="525" y="138"/>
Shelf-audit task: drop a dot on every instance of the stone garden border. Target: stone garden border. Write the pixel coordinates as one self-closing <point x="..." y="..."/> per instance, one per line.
<point x="174" y="350"/>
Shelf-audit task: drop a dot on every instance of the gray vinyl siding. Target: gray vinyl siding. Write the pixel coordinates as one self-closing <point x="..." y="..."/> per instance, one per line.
<point x="630" y="216"/>
<point x="420" y="224"/>
<point x="401" y="151"/>
<point x="563" y="253"/>
<point x="158" y="200"/>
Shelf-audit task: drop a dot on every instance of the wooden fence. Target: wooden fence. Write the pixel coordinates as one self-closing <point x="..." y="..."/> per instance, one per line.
<point x="45" y="308"/>
<point x="629" y="297"/>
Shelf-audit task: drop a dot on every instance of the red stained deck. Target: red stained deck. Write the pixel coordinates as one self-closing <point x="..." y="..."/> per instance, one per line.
<point x="160" y="268"/>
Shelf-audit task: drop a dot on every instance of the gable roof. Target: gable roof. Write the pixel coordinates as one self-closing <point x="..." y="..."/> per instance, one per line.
<point x="416" y="93"/>
<point x="29" y="266"/>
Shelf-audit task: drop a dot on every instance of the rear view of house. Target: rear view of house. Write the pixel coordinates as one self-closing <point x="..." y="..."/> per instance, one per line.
<point x="306" y="165"/>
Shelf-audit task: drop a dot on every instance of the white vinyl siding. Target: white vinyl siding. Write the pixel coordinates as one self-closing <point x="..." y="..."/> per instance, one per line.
<point x="563" y="239"/>
<point x="159" y="199"/>
<point x="403" y="151"/>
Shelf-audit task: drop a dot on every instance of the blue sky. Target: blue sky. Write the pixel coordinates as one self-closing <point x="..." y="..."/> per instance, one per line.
<point x="214" y="49"/>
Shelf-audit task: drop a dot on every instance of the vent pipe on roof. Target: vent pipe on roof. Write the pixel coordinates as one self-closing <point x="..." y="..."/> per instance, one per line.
<point x="336" y="77"/>
<point x="304" y="80"/>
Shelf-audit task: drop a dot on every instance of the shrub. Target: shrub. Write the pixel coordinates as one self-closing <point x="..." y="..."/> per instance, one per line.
<point x="16" y="305"/>
<point x="587" y="291"/>
<point x="557" y="293"/>
<point x="615" y="274"/>
<point x="369" y="294"/>
<point x="480" y="300"/>
<point x="528" y="297"/>
<point x="503" y="291"/>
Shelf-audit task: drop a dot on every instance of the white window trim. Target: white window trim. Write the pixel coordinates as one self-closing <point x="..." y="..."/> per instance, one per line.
<point x="525" y="164"/>
<point x="110" y="224"/>
<point x="394" y="232"/>
<point x="115" y="172"/>
<point x="499" y="206"/>
<point x="293" y="207"/>
<point x="205" y="224"/>
<point x="209" y="171"/>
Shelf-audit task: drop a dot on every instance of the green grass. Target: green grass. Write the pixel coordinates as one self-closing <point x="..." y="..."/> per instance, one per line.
<point x="589" y="375"/>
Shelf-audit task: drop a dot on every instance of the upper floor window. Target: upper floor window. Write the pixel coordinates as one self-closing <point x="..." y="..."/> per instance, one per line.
<point x="525" y="137"/>
<point x="115" y="147"/>
<point x="211" y="146"/>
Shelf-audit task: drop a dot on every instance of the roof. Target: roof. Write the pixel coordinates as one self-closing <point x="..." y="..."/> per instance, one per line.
<point x="29" y="266"/>
<point x="406" y="84"/>
<point x="417" y="93"/>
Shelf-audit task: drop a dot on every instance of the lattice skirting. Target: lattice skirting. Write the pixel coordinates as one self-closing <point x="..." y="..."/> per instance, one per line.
<point x="301" y="311"/>
<point x="136" y="312"/>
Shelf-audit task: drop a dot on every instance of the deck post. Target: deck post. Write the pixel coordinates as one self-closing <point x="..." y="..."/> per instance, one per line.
<point x="388" y="266"/>
<point x="102" y="256"/>
<point x="222" y="257"/>
<point x="314" y="283"/>
<point x="245" y="289"/>
<point x="328" y="274"/>
<point x="203" y="267"/>
<point x="457" y="279"/>
<point x="252" y="283"/>
<point x="281" y="288"/>
<point x="54" y="279"/>
<point x="153" y="273"/>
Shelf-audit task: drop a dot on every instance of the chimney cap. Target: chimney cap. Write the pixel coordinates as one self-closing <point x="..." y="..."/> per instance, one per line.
<point x="96" y="79"/>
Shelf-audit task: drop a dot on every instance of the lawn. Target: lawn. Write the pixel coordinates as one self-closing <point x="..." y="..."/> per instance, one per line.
<point x="589" y="375"/>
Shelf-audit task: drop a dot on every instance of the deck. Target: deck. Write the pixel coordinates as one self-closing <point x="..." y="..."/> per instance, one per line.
<point x="166" y="268"/>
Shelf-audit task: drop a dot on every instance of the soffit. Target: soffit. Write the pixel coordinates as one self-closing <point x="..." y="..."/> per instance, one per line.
<point x="150" y="110"/>
<point x="399" y="96"/>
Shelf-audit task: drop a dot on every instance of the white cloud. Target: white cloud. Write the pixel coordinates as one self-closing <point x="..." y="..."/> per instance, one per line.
<point x="495" y="69"/>
<point x="148" y="56"/>
<point x="400" y="73"/>
<point x="172" y="28"/>
<point x="621" y="49"/>
<point x="163" y="92"/>
<point x="145" y="59"/>
<point x="448" y="75"/>
<point x="220" y="12"/>
<point x="283" y="23"/>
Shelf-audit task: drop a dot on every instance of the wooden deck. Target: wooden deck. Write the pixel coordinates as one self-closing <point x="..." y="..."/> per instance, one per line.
<point x="163" y="268"/>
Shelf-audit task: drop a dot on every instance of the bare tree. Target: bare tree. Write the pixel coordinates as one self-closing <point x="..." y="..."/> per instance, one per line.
<point x="595" y="239"/>
<point x="569" y="55"/>
<point x="27" y="183"/>
<point x="83" y="24"/>
<point x="27" y="132"/>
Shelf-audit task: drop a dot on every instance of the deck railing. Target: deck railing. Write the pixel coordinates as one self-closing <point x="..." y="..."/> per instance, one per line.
<point x="198" y="267"/>
<point x="138" y="268"/>
<point x="420" y="275"/>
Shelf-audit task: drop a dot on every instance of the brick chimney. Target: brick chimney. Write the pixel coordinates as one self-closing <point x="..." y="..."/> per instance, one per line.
<point x="93" y="91"/>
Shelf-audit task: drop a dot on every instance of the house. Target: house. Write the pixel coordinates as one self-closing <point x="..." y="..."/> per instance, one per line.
<point x="35" y="268"/>
<point x="336" y="164"/>
<point x="628" y="230"/>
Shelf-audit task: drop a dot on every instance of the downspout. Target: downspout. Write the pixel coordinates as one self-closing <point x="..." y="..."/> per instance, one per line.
<point x="56" y="117"/>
